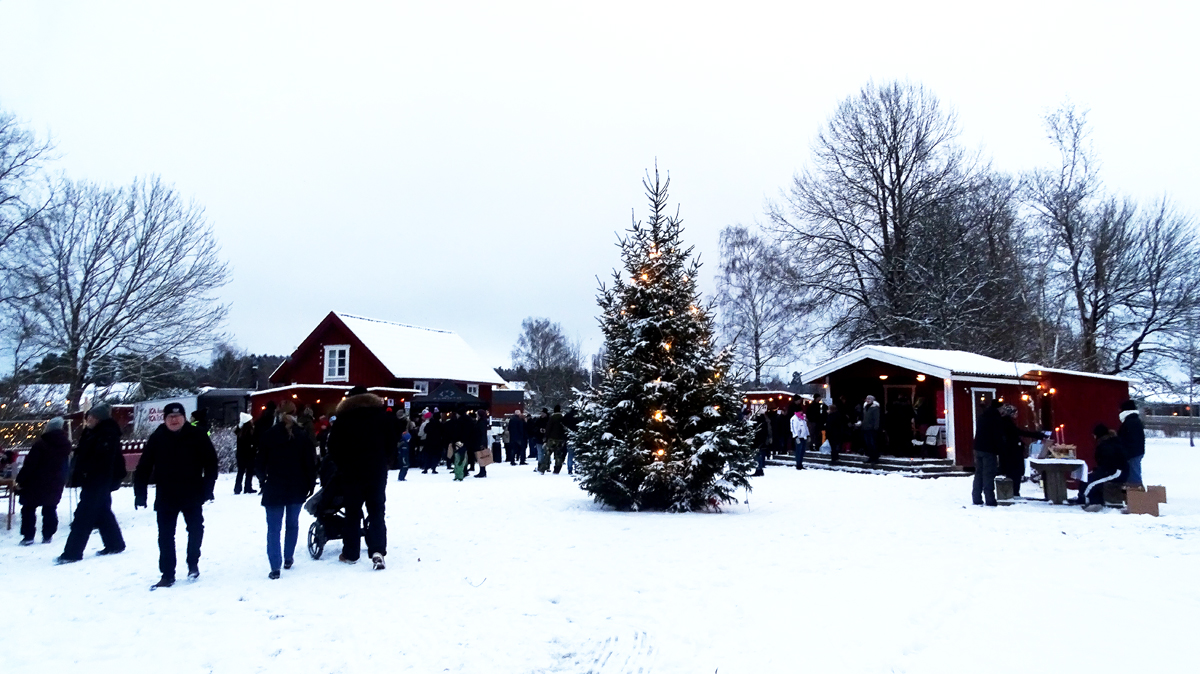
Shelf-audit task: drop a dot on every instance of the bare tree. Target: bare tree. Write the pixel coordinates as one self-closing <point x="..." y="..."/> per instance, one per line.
<point x="1131" y="276"/>
<point x="21" y="201"/>
<point x="554" y="364"/>
<point x="122" y="270"/>
<point x="760" y="313"/>
<point x="885" y="165"/>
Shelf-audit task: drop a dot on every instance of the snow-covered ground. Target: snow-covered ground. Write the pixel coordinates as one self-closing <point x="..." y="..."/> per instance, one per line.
<point x="820" y="572"/>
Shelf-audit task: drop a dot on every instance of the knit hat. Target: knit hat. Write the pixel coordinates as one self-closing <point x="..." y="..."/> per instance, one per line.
<point x="357" y="390"/>
<point x="173" y="408"/>
<point x="55" y="424"/>
<point x="1100" y="430"/>
<point x="1128" y="405"/>
<point x="100" y="411"/>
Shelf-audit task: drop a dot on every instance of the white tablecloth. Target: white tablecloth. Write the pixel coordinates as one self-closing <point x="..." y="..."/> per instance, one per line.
<point x="1081" y="470"/>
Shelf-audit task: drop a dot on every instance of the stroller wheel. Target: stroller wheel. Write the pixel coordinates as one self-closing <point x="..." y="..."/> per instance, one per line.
<point x="316" y="540"/>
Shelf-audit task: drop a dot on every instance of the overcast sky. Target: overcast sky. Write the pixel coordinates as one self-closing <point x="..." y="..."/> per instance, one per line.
<point x="464" y="165"/>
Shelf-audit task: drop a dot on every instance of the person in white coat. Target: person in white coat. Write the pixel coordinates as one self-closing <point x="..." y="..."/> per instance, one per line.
<point x="800" y="435"/>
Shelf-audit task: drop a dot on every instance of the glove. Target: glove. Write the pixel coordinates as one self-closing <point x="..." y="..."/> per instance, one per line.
<point x="139" y="502"/>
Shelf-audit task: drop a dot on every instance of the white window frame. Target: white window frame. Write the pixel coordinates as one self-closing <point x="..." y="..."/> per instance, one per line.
<point x="422" y="387"/>
<point x="473" y="390"/>
<point x="335" y="349"/>
<point x="974" y="409"/>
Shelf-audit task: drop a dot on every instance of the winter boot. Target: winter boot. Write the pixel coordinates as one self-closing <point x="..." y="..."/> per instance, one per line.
<point x="287" y="563"/>
<point x="346" y="560"/>
<point x="377" y="561"/>
<point x="26" y="541"/>
<point x="274" y="575"/>
<point x="110" y="551"/>
<point x="165" y="581"/>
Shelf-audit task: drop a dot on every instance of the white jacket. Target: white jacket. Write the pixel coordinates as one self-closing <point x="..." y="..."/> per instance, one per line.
<point x="799" y="428"/>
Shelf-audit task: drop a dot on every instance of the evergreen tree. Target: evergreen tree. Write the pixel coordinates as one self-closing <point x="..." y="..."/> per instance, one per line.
<point x="661" y="430"/>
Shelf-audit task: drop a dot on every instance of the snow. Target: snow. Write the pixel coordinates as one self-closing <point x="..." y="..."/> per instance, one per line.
<point x="822" y="571"/>
<point x="37" y="395"/>
<point x="411" y="352"/>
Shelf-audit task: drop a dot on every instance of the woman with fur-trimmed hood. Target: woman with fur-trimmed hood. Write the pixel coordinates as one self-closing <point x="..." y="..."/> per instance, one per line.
<point x="361" y="442"/>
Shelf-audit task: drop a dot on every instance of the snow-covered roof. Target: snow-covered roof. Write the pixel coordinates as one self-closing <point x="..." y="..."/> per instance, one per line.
<point x="56" y="394"/>
<point x="411" y="352"/>
<point x="939" y="363"/>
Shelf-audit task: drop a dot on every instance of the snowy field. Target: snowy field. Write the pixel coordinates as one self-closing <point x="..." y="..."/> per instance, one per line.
<point x="821" y="572"/>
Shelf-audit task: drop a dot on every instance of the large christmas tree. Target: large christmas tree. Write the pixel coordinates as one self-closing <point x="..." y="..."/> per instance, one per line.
<point x="661" y="431"/>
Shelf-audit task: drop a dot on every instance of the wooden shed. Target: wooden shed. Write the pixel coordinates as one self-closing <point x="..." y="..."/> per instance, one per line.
<point x="950" y="388"/>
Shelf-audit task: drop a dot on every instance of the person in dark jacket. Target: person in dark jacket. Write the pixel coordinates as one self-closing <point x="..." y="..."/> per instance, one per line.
<point x="556" y="438"/>
<point x="1133" y="440"/>
<point x="1011" y="459"/>
<point x="361" y="442"/>
<point x="535" y="432"/>
<point x="458" y="431"/>
<point x="245" y="459"/>
<point x="989" y="441"/>
<point x="41" y="479"/>
<point x="517" y="438"/>
<point x="571" y="422"/>
<point x="762" y="441"/>
<point x="403" y="445"/>
<point x="181" y="460"/>
<point x="480" y="437"/>
<point x="429" y="440"/>
<point x="1111" y="466"/>
<point x="97" y="458"/>
<point x="870" y="428"/>
<point x="286" y="467"/>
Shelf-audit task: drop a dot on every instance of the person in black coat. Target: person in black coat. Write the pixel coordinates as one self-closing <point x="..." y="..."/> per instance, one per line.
<point x="183" y="463"/>
<point x="286" y="467"/>
<point x="1012" y="453"/>
<point x="428" y="440"/>
<point x="989" y="442"/>
<point x="99" y="469"/>
<point x="762" y="441"/>
<point x="40" y="482"/>
<point x="245" y="459"/>
<point x="480" y="439"/>
<point x="516" y="438"/>
<point x="361" y="442"/>
<point x="1132" y="435"/>
<point x="1111" y="466"/>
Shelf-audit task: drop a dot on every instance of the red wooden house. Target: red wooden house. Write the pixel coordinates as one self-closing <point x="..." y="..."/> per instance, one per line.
<point x="395" y="361"/>
<point x="958" y="384"/>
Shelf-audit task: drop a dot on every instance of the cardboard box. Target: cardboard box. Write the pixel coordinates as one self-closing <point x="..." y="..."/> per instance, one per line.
<point x="1141" y="503"/>
<point x="1157" y="492"/>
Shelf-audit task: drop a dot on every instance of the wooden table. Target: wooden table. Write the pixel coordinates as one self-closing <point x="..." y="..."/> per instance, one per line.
<point x="1054" y="476"/>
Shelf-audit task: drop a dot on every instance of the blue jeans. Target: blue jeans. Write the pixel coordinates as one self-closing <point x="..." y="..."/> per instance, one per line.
<point x="1135" y="470"/>
<point x="571" y="458"/>
<point x="402" y="460"/>
<point x="274" y="523"/>
<point x="801" y="446"/>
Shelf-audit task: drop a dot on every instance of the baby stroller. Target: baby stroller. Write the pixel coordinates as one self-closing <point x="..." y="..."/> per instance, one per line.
<point x="330" y="524"/>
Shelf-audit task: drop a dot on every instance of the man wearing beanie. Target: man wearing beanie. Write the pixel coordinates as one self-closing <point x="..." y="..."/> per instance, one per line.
<point x="41" y="480"/>
<point x="99" y="469"/>
<point x="183" y="463"/>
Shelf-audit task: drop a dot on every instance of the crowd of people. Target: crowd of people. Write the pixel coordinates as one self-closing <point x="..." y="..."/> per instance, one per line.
<point x="864" y="428"/>
<point x="289" y="453"/>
